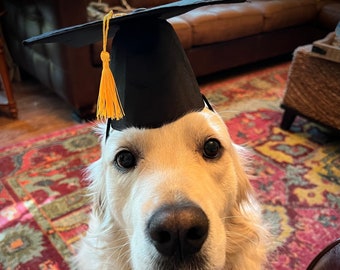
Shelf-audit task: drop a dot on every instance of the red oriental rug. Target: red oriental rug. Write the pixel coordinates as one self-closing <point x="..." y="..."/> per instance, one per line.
<point x="297" y="176"/>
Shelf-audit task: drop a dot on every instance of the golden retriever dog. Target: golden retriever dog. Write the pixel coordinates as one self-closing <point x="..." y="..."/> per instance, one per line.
<point x="174" y="197"/>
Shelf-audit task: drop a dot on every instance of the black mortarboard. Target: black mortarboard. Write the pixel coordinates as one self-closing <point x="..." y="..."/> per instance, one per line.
<point x="155" y="82"/>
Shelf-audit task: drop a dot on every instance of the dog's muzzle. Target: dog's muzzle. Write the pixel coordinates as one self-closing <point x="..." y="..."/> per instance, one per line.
<point x="178" y="231"/>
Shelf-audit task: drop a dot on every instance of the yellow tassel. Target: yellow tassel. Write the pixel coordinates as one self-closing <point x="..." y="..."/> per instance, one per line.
<point x="108" y="104"/>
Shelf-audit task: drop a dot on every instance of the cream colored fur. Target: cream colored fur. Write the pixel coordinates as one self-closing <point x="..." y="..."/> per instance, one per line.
<point x="171" y="168"/>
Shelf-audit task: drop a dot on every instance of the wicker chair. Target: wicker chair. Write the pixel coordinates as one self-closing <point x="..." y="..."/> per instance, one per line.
<point x="313" y="89"/>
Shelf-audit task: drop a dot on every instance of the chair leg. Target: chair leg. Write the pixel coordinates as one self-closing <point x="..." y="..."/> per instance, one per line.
<point x="287" y="118"/>
<point x="7" y="84"/>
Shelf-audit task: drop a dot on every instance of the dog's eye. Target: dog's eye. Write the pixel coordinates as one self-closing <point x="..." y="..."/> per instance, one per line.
<point x="211" y="148"/>
<point x="125" y="160"/>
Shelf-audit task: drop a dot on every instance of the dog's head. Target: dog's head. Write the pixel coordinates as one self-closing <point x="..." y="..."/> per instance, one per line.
<point x="175" y="197"/>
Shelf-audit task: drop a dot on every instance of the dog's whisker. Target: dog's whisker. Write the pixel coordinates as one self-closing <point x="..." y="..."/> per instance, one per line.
<point x="129" y="258"/>
<point x="112" y="248"/>
<point x="102" y="232"/>
<point x="241" y="235"/>
<point x="231" y="217"/>
<point x="260" y="227"/>
<point x="121" y="256"/>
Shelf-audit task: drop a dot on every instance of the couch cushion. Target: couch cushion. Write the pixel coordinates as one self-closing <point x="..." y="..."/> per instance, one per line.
<point x="284" y="13"/>
<point x="329" y="15"/>
<point x="183" y="31"/>
<point x="223" y="22"/>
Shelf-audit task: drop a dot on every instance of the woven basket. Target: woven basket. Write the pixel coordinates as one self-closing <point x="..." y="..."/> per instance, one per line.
<point x="324" y="49"/>
<point x="313" y="87"/>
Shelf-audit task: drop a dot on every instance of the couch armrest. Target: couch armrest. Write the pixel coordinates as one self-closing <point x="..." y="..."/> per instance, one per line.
<point x="67" y="71"/>
<point x="61" y="13"/>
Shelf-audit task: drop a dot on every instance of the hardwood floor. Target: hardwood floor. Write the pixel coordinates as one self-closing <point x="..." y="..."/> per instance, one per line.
<point x="40" y="111"/>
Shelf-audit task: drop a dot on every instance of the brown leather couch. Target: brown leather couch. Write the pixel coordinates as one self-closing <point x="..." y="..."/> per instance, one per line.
<point x="214" y="37"/>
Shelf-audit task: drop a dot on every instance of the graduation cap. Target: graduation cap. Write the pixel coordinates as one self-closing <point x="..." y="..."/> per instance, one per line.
<point x="154" y="79"/>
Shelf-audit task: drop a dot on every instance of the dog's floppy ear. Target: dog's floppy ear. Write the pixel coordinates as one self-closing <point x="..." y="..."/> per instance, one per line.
<point x="246" y="209"/>
<point x="102" y="131"/>
<point x="97" y="187"/>
<point x="240" y="157"/>
<point x="95" y="175"/>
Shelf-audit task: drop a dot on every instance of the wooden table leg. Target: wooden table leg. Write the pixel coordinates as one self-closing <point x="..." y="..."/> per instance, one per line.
<point x="6" y="83"/>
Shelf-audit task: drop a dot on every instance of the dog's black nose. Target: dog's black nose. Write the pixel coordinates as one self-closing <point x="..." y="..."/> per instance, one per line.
<point x="178" y="230"/>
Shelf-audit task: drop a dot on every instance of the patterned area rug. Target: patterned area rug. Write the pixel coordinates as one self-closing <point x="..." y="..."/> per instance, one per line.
<point x="43" y="210"/>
